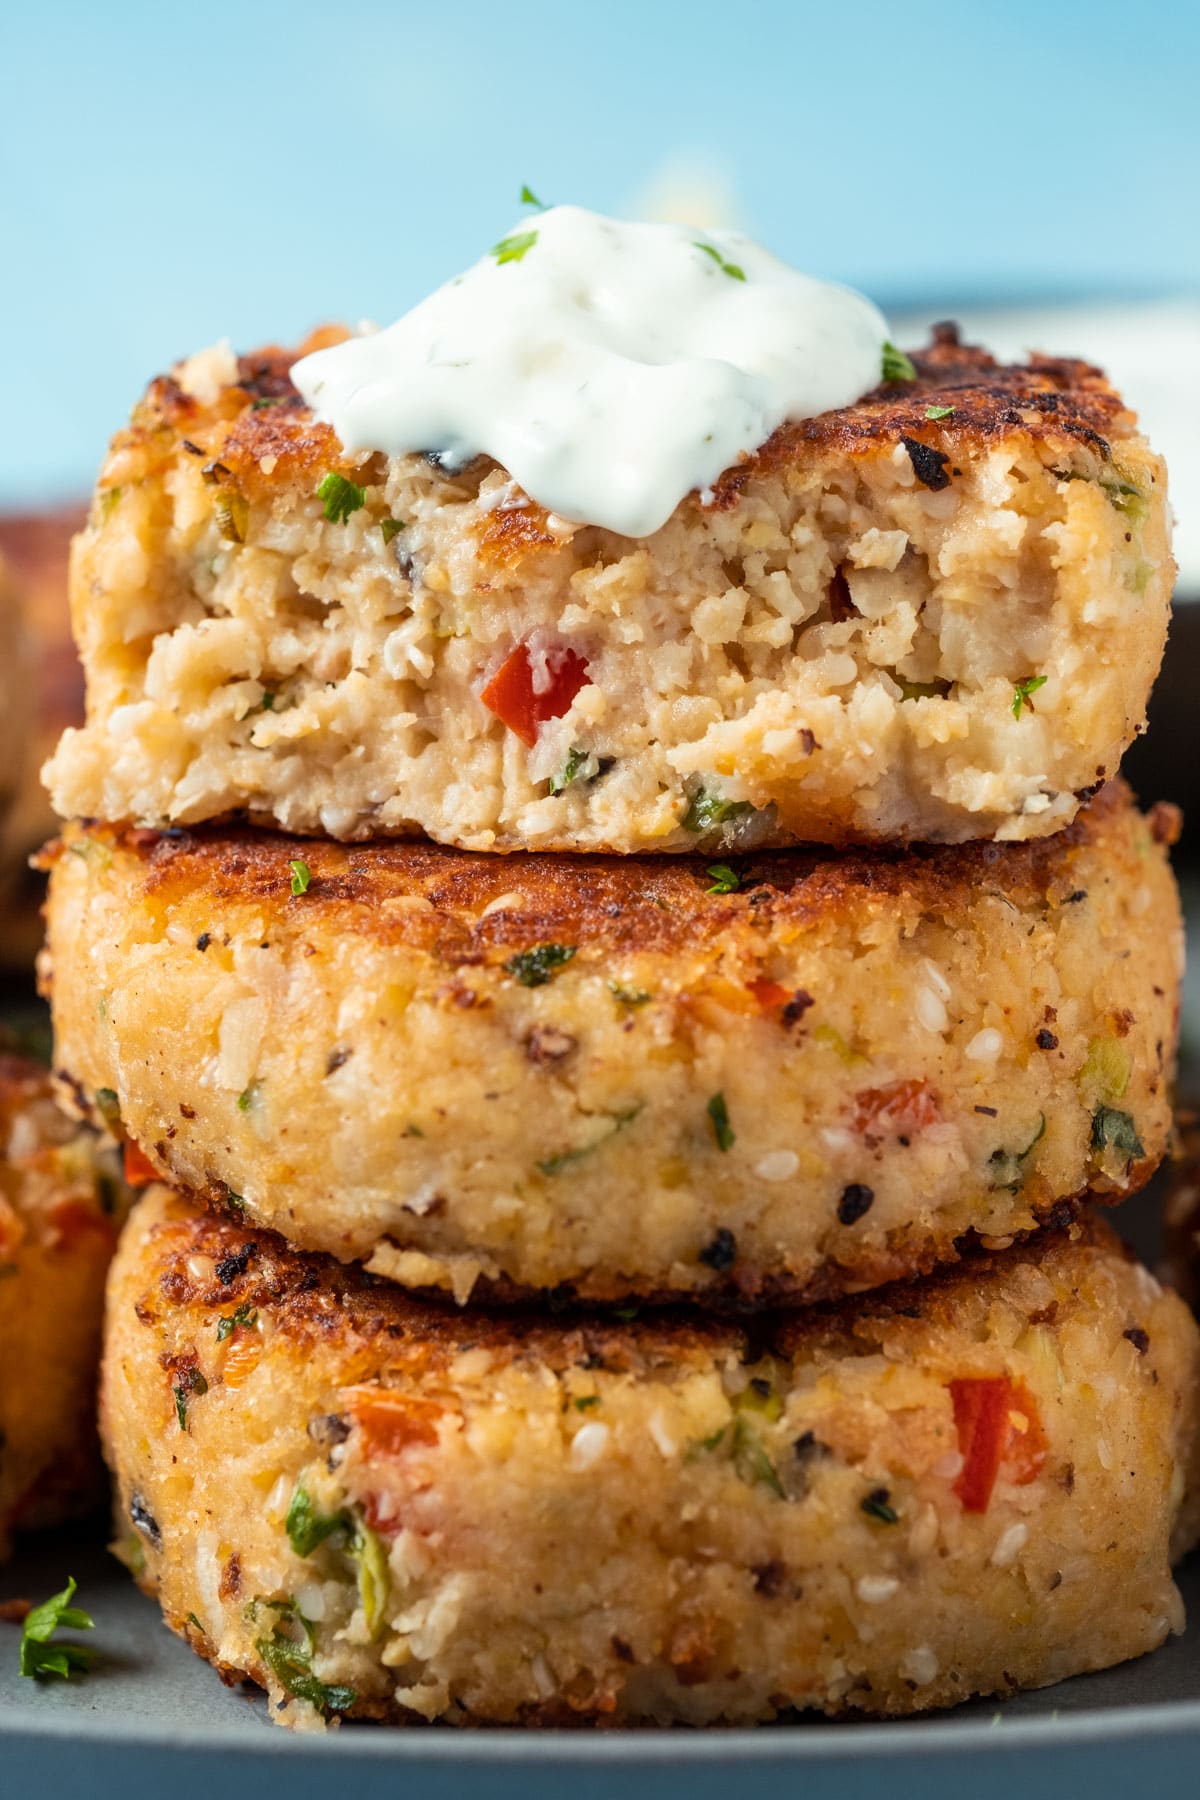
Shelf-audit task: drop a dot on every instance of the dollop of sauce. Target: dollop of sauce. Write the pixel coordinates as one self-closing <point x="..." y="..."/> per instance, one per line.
<point x="610" y="368"/>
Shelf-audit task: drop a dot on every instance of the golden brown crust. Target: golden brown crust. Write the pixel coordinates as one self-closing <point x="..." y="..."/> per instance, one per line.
<point x="611" y="903"/>
<point x="1053" y="400"/>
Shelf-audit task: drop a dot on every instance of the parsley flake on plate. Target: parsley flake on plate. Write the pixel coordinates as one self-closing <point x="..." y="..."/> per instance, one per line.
<point x="40" y="1655"/>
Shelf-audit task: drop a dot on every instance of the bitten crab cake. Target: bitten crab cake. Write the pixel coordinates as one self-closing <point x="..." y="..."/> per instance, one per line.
<point x="932" y="615"/>
<point x="60" y="1196"/>
<point x="801" y="1075"/>
<point x="382" y="1507"/>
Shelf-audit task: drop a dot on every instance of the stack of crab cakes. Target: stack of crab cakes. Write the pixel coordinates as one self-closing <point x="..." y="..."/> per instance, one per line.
<point x="622" y="1040"/>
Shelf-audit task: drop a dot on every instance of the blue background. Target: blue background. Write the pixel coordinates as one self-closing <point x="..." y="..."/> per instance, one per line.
<point x="177" y="174"/>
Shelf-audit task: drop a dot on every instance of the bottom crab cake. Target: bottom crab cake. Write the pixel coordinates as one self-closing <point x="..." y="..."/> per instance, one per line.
<point x="794" y="1078"/>
<point x="383" y="1507"/>
<point x="59" y="1196"/>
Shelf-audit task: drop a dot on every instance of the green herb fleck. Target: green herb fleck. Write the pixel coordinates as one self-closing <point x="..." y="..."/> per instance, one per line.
<point x="724" y="1133"/>
<point x="232" y="513"/>
<point x="707" y="810"/>
<point x="389" y="528"/>
<point x="576" y="765"/>
<point x="626" y="996"/>
<point x="877" y="1505"/>
<point x="292" y="1669"/>
<point x="39" y="1656"/>
<point x="411" y="1130"/>
<point x="897" y="366"/>
<point x="249" y="1096"/>
<point x="108" y="500"/>
<point x="341" y="498"/>
<point x="724" y="879"/>
<point x="554" y="1165"/>
<point x="246" y="1315"/>
<point x="933" y="413"/>
<point x="529" y="198"/>
<point x="1008" y="1166"/>
<point x="750" y="1459"/>
<point x="306" y="1527"/>
<point x="301" y="876"/>
<point x="583" y="1401"/>
<point x="512" y="249"/>
<point x="626" y="1314"/>
<point x="726" y="268"/>
<point x="1115" y="1130"/>
<point x="374" y="1576"/>
<point x="193" y="1620"/>
<point x="536" y="967"/>
<point x="1023" y="690"/>
<point x="190" y="1382"/>
<point x="109" y="1108"/>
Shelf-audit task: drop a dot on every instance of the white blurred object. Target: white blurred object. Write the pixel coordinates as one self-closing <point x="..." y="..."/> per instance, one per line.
<point x="1150" y="352"/>
<point x="687" y="190"/>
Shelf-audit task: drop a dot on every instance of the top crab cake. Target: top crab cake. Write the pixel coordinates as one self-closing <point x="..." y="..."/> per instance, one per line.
<point x="932" y="615"/>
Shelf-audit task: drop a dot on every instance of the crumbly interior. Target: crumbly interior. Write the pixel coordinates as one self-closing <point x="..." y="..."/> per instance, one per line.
<point x="60" y="1200"/>
<point x="368" y="1508"/>
<point x="842" y="648"/>
<point x="482" y="1073"/>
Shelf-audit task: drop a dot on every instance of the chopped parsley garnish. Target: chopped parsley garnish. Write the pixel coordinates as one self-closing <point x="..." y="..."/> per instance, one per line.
<point x="724" y="879"/>
<point x="190" y="1382"/>
<point x="512" y="249"/>
<point x="374" y="1576"/>
<point x="109" y="1108"/>
<point x="301" y="876"/>
<point x="307" y="1528"/>
<point x="554" y="1165"/>
<point x="529" y="198"/>
<point x="39" y="1655"/>
<point x="389" y="528"/>
<point x="246" y="1315"/>
<point x="341" y="498"/>
<point x="726" y="268"/>
<point x="933" y="413"/>
<point x="1023" y="690"/>
<point x="534" y="968"/>
<point x="1113" y="1129"/>
<point x="628" y="996"/>
<point x="291" y="1666"/>
<point x="897" y="366"/>
<point x="706" y="810"/>
<point x="877" y="1505"/>
<point x="1008" y="1166"/>
<point x="575" y="766"/>
<point x="723" y="1131"/>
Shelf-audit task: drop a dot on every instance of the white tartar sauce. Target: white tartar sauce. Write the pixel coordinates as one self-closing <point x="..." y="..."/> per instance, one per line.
<point x="610" y="368"/>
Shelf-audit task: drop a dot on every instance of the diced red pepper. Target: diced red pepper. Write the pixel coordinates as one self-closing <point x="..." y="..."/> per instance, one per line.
<point x="770" y="994"/>
<point x="75" y="1219"/>
<point x="899" y="1108"/>
<point x="998" y="1424"/>
<point x="139" y="1170"/>
<point x="392" y="1422"/>
<point x="510" y="693"/>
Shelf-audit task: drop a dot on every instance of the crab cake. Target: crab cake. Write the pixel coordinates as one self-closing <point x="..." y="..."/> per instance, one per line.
<point x="59" y="1198"/>
<point x="932" y="615"/>
<point x="381" y="1506"/>
<point x="806" y="1075"/>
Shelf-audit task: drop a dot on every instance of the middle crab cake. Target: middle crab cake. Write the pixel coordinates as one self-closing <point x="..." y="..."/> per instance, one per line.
<point x="801" y="1077"/>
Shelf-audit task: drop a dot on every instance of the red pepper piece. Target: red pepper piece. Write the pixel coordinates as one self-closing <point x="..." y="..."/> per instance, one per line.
<point x="989" y="1436"/>
<point x="899" y="1108"/>
<point x="139" y="1170"/>
<point x="510" y="693"/>
<point x="769" y="994"/>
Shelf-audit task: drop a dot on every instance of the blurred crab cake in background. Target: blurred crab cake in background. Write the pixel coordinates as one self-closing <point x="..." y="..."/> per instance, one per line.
<point x="382" y="1507"/>
<point x="60" y="1204"/>
<point x="805" y="1075"/>
<point x="902" y="599"/>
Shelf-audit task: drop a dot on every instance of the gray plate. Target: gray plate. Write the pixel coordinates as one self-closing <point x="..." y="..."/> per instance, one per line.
<point x="152" y="1719"/>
